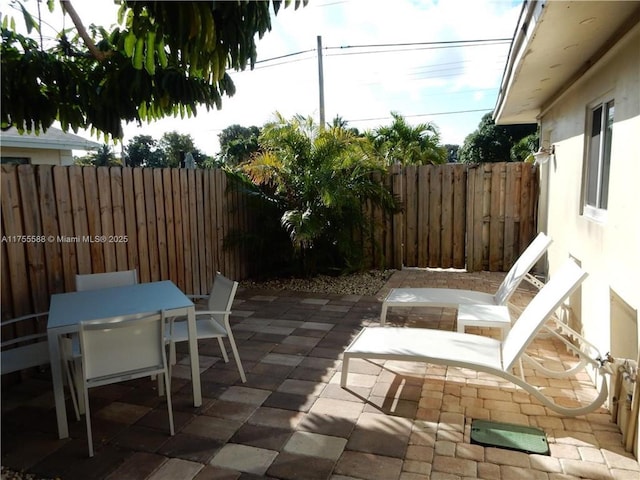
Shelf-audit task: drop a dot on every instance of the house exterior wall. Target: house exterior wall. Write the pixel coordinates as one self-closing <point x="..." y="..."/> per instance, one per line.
<point x="608" y="249"/>
<point x="40" y="156"/>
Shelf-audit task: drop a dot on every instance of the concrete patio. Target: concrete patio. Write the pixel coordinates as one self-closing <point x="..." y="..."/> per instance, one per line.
<point x="291" y="420"/>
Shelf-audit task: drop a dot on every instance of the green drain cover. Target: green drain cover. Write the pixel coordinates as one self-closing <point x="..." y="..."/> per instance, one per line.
<point x="509" y="436"/>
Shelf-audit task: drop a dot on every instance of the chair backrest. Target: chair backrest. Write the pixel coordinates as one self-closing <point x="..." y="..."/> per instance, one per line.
<point x="521" y="267"/>
<point x="95" y="281"/>
<point x="24" y="351"/>
<point x="222" y="294"/>
<point x="563" y="283"/>
<point x="122" y="348"/>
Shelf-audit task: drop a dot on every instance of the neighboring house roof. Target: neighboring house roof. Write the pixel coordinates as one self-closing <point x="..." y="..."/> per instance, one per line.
<point x="53" y="139"/>
<point x="554" y="44"/>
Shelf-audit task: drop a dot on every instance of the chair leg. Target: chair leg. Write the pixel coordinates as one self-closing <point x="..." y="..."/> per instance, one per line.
<point x="88" y="420"/>
<point x="236" y="355"/>
<point x="65" y="348"/>
<point x="172" y="353"/>
<point x="167" y="381"/>
<point x="225" y="357"/>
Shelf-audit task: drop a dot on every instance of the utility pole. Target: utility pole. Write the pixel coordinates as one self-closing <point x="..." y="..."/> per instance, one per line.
<point x="321" y="82"/>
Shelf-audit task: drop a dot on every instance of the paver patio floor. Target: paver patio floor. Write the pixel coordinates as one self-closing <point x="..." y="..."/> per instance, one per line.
<point x="291" y="420"/>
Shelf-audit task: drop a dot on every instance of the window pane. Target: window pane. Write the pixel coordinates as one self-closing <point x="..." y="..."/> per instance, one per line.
<point x="593" y="157"/>
<point x="606" y="155"/>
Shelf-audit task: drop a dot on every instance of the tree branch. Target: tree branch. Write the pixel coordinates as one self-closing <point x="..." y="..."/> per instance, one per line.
<point x="77" y="21"/>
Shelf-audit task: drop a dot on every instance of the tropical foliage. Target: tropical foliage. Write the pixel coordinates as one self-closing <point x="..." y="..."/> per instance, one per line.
<point x="103" y="157"/>
<point x="169" y="151"/>
<point x="494" y="143"/>
<point x="405" y="144"/>
<point x="318" y="180"/>
<point x="165" y="59"/>
<point x="237" y="144"/>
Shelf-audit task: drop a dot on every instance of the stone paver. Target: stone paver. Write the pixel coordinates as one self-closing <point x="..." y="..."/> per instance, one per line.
<point x="292" y="421"/>
<point x="244" y="458"/>
<point x="316" y="445"/>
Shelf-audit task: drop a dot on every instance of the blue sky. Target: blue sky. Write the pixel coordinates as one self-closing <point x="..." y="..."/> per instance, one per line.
<point x="364" y="85"/>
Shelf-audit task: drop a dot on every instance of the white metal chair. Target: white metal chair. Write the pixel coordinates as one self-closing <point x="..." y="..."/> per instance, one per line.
<point x="24" y="351"/>
<point x="94" y="281"/>
<point x="210" y="323"/>
<point x="120" y="349"/>
<point x="486" y="354"/>
<point x="32" y="350"/>
<point x="452" y="298"/>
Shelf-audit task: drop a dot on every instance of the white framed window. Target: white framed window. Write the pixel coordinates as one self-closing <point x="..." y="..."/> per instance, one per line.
<point x="598" y="158"/>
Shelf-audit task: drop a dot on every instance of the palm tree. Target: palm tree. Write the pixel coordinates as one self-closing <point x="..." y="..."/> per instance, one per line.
<point x="321" y="179"/>
<point x="408" y="145"/>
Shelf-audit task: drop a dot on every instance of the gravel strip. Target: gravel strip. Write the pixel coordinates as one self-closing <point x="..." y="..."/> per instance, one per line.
<point x="8" y="474"/>
<point x="362" y="283"/>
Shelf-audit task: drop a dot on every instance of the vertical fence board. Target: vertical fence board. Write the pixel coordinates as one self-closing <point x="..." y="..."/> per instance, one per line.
<point x="152" y="228"/>
<point x="16" y="254"/>
<point x="80" y="221"/>
<point x="446" y="212"/>
<point x="528" y="206"/>
<point x="5" y="287"/>
<point x="193" y="231"/>
<point x="208" y="235"/>
<point x="496" y="217"/>
<point x="141" y="225"/>
<point x="130" y="220"/>
<point x="186" y="234"/>
<point x="34" y="250"/>
<point x="459" y="216"/>
<point x="106" y="218"/>
<point x="219" y="223"/>
<point x="176" y="185"/>
<point x="434" y="222"/>
<point x="86" y="237"/>
<point x="512" y="181"/>
<point x="52" y="251"/>
<point x="410" y="218"/>
<point x="119" y="224"/>
<point x="421" y="216"/>
<point x="161" y="224"/>
<point x="398" y="235"/>
<point x="201" y="245"/>
<point x="65" y="224"/>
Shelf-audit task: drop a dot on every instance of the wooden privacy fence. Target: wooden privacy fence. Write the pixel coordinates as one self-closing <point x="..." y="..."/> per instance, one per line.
<point x="171" y="224"/>
<point x="478" y="217"/>
<point x="166" y="223"/>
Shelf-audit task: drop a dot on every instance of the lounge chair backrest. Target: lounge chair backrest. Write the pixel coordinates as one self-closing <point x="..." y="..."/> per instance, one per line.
<point x="563" y="283"/>
<point x="521" y="267"/>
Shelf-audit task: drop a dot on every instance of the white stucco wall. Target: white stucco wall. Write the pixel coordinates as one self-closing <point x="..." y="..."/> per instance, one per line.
<point x="40" y="156"/>
<point x="608" y="250"/>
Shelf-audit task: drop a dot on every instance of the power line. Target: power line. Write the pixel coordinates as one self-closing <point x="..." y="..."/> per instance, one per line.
<point x="420" y="115"/>
<point x="443" y="42"/>
<point x="429" y="46"/>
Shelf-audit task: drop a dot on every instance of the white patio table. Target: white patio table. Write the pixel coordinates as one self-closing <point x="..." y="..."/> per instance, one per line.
<point x="67" y="310"/>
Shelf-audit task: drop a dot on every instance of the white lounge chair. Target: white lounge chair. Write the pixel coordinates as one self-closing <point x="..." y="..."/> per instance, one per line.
<point x="483" y="353"/>
<point x="452" y="298"/>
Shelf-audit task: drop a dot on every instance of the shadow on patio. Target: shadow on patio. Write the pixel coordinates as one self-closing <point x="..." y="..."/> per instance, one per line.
<point x="291" y="420"/>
